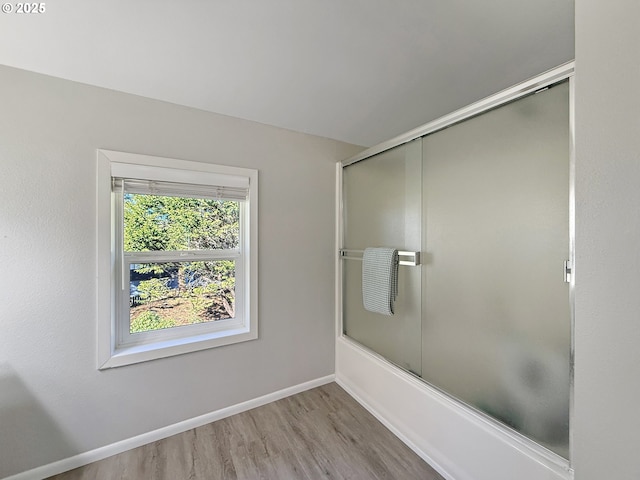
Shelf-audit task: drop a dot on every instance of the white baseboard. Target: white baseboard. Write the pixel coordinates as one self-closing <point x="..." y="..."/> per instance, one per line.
<point x="122" y="446"/>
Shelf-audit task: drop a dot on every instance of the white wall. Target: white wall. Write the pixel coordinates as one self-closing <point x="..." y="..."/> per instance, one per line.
<point x="54" y="403"/>
<point x="607" y="332"/>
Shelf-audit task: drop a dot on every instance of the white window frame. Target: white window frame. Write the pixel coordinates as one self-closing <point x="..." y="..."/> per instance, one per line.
<point x="116" y="346"/>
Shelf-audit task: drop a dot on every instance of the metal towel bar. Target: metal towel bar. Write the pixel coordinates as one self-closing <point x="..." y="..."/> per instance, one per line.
<point x="414" y="257"/>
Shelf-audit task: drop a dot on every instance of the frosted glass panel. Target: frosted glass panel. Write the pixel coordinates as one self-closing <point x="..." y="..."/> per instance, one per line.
<point x="381" y="208"/>
<point x="496" y="318"/>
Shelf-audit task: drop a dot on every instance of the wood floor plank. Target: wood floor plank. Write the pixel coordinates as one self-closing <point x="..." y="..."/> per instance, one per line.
<point x="322" y="433"/>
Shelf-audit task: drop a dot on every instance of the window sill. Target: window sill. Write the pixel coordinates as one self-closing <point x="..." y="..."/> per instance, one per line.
<point x="128" y="355"/>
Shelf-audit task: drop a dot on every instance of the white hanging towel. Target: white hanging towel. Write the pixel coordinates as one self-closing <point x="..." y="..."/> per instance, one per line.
<point x="379" y="279"/>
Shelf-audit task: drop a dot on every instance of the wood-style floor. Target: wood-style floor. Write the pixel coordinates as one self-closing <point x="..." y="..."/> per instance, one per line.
<point x="320" y="433"/>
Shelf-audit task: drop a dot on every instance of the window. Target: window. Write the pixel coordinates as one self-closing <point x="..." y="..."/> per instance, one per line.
<point x="177" y="257"/>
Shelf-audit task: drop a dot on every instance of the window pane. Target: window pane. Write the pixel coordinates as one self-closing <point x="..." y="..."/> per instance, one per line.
<point x="156" y="223"/>
<point x="172" y="294"/>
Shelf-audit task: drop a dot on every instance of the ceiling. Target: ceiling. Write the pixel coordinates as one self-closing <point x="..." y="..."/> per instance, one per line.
<point x="361" y="71"/>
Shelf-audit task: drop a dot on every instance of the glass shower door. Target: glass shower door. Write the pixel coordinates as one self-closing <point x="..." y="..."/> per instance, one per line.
<point x="381" y="208"/>
<point x="496" y="314"/>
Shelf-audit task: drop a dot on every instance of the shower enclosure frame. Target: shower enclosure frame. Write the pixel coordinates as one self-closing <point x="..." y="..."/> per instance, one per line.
<point x="354" y="361"/>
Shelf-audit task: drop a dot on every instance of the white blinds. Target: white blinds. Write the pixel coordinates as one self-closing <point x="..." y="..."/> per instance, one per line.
<point x="149" y="180"/>
<point x="172" y="189"/>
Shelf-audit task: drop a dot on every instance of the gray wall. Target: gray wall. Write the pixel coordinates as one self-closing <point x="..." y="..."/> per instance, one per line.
<point x="607" y="335"/>
<point x="53" y="401"/>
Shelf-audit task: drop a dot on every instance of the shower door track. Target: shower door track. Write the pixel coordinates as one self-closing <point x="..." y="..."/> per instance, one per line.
<point x="538" y="83"/>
